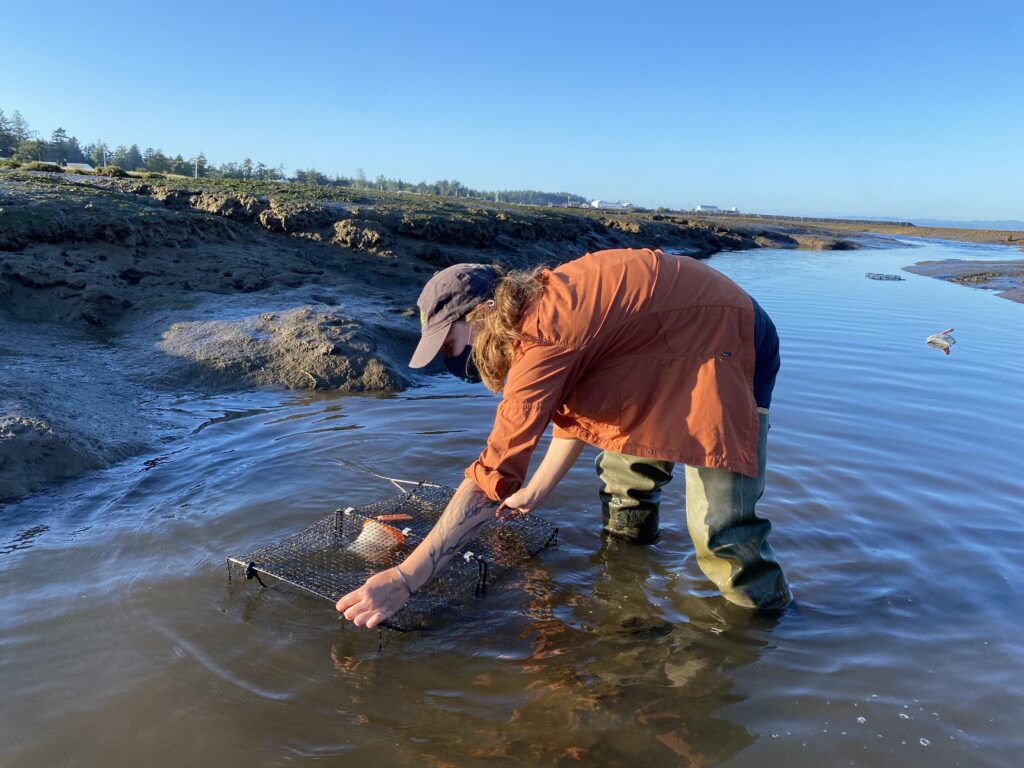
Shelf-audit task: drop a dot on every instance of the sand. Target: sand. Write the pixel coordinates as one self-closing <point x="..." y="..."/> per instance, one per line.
<point x="1006" y="278"/>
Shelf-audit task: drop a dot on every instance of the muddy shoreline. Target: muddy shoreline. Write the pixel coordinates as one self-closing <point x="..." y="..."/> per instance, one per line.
<point x="115" y="293"/>
<point x="837" y="227"/>
<point x="1006" y="278"/>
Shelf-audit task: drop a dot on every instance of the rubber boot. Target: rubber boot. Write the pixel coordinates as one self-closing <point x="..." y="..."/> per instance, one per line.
<point x="631" y="495"/>
<point x="731" y="540"/>
<point x="637" y="524"/>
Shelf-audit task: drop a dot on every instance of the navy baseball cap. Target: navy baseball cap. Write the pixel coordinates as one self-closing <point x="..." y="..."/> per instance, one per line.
<point x="449" y="296"/>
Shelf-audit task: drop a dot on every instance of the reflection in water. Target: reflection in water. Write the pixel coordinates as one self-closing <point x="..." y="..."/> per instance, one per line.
<point x="156" y="461"/>
<point x="24" y="539"/>
<point x="231" y="416"/>
<point x="649" y="688"/>
<point x="624" y="686"/>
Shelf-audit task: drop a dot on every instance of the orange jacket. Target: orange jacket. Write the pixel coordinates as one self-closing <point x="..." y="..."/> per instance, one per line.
<point x="633" y="351"/>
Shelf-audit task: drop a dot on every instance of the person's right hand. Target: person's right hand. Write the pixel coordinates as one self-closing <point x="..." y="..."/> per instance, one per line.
<point x="522" y="502"/>
<point x="380" y="598"/>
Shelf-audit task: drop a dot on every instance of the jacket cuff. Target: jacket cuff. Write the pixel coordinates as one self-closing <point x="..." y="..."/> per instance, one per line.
<point x="494" y="485"/>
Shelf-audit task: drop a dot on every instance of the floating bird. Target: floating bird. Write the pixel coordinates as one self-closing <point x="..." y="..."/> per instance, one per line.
<point x="941" y="341"/>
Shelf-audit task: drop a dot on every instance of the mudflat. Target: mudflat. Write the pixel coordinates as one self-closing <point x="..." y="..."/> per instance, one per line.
<point x="1006" y="278"/>
<point x="838" y="227"/>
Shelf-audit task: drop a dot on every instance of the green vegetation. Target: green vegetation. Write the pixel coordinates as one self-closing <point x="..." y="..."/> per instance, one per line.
<point x="19" y="143"/>
<point x="49" y="167"/>
<point x="111" y="170"/>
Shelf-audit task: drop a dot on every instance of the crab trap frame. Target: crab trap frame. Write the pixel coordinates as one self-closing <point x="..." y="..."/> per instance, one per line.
<point x="336" y="554"/>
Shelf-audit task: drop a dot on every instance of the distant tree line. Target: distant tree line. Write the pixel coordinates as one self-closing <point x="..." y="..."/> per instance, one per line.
<point x="442" y="188"/>
<point x="19" y="142"/>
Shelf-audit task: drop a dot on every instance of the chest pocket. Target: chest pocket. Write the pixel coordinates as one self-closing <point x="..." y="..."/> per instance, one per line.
<point x="703" y="333"/>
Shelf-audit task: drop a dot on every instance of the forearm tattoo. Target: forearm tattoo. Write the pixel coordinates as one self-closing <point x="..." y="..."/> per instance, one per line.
<point x="456" y="527"/>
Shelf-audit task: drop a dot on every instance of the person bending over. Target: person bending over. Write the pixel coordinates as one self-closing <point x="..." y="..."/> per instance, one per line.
<point x="656" y="359"/>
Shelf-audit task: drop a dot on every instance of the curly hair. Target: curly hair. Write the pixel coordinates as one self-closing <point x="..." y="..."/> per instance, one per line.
<point x="496" y="324"/>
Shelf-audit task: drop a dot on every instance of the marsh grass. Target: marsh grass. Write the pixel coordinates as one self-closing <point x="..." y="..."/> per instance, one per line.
<point x="47" y="167"/>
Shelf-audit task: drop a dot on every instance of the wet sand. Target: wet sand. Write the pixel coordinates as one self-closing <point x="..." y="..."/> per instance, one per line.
<point x="838" y="227"/>
<point x="1006" y="278"/>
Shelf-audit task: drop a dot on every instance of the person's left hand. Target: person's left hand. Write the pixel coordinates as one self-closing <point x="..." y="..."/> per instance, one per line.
<point x="522" y="502"/>
<point x="380" y="598"/>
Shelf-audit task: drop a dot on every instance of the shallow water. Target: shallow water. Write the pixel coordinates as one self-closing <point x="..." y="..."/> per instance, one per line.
<point x="895" y="485"/>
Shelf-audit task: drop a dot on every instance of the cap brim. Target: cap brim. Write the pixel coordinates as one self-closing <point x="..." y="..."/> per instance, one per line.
<point x="429" y="346"/>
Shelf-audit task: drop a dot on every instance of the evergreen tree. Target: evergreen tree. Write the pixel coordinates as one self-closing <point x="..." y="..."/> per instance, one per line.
<point x="63" y="148"/>
<point x="311" y="176"/>
<point x="31" y="149"/>
<point x="133" y="159"/>
<point x="98" y="153"/>
<point x="119" y="156"/>
<point x="7" y="142"/>
<point x="128" y="158"/>
<point x="156" y="161"/>
<point x="73" y="152"/>
<point x="181" y="166"/>
<point x="19" y="128"/>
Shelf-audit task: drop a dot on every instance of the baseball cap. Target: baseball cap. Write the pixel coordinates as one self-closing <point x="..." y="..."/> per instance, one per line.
<point x="449" y="296"/>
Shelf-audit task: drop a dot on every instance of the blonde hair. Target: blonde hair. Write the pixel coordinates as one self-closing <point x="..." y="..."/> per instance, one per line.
<point x="496" y="324"/>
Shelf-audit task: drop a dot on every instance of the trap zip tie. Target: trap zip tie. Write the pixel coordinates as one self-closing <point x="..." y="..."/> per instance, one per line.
<point x="250" y="572"/>
<point x="337" y="553"/>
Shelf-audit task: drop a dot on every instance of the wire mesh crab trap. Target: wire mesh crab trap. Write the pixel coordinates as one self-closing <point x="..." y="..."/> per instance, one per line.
<point x="336" y="554"/>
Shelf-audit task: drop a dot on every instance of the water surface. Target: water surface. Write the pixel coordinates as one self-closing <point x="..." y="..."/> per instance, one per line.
<point x="895" y="485"/>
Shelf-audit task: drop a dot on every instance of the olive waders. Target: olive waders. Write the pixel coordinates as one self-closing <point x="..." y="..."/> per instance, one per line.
<point x="731" y="541"/>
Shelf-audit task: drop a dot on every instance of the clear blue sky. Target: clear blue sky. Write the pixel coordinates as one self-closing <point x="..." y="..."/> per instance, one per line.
<point x="910" y="109"/>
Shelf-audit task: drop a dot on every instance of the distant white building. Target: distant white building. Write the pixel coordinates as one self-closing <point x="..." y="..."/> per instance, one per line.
<point x="714" y="209"/>
<point x="78" y="166"/>
<point x="618" y="206"/>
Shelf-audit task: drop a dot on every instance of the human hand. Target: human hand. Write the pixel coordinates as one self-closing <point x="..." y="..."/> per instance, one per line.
<point x="522" y="502"/>
<point x="380" y="598"/>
